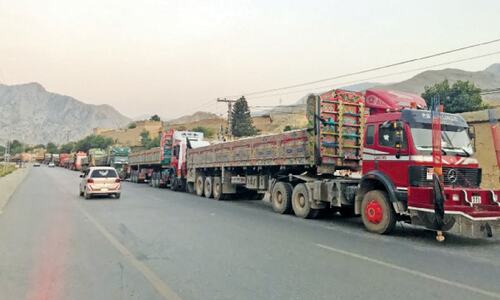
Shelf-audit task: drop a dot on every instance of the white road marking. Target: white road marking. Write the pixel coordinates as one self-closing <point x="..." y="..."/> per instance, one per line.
<point x="413" y="272"/>
<point x="163" y="289"/>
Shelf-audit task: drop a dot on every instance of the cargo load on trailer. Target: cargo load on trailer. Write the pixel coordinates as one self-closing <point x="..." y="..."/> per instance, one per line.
<point x="368" y="154"/>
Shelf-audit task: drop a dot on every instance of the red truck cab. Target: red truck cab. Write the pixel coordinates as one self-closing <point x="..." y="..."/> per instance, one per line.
<point x="397" y="159"/>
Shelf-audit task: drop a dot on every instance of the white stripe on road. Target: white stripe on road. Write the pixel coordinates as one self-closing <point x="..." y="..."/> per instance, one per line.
<point x="413" y="272"/>
<point x="163" y="289"/>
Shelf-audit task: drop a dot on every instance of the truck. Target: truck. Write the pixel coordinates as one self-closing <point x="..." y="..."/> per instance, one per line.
<point x="165" y="165"/>
<point x="75" y="159"/>
<point x="118" y="159"/>
<point x="370" y="154"/>
<point x="63" y="158"/>
<point x="95" y="157"/>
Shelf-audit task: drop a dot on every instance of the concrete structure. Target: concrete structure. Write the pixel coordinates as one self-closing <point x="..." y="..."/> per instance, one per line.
<point x="485" y="151"/>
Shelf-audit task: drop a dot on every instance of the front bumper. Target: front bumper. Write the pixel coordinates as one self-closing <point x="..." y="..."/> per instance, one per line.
<point x="476" y="228"/>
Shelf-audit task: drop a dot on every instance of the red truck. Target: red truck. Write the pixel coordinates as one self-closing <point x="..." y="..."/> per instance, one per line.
<point x="165" y="165"/>
<point x="368" y="154"/>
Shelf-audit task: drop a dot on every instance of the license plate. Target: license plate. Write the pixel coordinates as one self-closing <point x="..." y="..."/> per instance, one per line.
<point x="104" y="190"/>
<point x="476" y="199"/>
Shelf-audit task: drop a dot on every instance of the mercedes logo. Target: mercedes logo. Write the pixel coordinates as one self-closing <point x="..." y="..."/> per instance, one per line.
<point x="452" y="175"/>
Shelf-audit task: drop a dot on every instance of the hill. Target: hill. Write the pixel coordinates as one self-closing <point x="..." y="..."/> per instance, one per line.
<point x="488" y="78"/>
<point x="33" y="115"/>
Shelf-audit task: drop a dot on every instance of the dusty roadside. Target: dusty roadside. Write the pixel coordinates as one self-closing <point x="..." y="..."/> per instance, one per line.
<point x="9" y="184"/>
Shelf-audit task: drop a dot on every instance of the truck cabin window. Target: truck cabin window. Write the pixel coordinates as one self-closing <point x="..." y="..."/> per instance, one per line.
<point x="387" y="136"/>
<point x="454" y="139"/>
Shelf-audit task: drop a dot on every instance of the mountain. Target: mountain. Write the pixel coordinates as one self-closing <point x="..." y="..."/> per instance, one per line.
<point x="196" y="117"/>
<point x="33" y="115"/>
<point x="488" y="78"/>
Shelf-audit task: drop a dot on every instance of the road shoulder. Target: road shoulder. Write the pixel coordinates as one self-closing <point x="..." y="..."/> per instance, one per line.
<point x="9" y="184"/>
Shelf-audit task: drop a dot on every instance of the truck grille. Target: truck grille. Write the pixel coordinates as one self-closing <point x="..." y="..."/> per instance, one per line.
<point x="455" y="177"/>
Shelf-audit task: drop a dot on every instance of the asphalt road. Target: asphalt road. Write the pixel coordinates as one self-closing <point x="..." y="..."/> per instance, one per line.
<point x="158" y="244"/>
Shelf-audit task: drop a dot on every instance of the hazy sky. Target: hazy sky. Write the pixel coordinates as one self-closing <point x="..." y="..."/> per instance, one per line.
<point x="173" y="57"/>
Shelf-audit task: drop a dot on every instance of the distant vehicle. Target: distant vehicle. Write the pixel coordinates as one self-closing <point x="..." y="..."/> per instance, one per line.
<point x="100" y="181"/>
<point x="51" y="164"/>
<point x="37" y="164"/>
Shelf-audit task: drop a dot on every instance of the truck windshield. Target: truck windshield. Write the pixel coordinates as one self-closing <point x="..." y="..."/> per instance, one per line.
<point x="453" y="139"/>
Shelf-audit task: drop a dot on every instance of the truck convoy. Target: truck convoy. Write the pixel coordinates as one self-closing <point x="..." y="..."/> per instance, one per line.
<point x="165" y="165"/>
<point x="368" y="154"/>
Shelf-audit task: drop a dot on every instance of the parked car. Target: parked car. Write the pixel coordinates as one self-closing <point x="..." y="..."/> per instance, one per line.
<point x="51" y="164"/>
<point x="37" y="164"/>
<point x="100" y="181"/>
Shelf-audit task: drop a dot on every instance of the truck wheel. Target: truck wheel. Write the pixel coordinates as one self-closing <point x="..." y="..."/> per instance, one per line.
<point x="300" y="203"/>
<point x="217" y="189"/>
<point x="208" y="187"/>
<point x="282" y="197"/>
<point x="173" y="184"/>
<point x="377" y="213"/>
<point x="190" y="187"/>
<point x="199" y="186"/>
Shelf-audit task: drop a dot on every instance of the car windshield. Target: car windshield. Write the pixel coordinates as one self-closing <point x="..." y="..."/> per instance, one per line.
<point x="103" y="173"/>
<point x="453" y="138"/>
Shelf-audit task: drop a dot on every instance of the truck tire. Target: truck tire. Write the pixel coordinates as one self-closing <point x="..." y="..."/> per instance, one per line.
<point x="377" y="213"/>
<point x="208" y="187"/>
<point x="217" y="189"/>
<point x="200" y="185"/>
<point x="282" y="197"/>
<point x="300" y="203"/>
<point x="190" y="187"/>
<point x="173" y="184"/>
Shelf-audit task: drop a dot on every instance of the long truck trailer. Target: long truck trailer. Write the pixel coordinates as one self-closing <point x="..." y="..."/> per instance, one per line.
<point x="165" y="165"/>
<point x="364" y="154"/>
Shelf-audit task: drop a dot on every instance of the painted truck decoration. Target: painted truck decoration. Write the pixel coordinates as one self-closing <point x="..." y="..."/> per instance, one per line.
<point x="165" y="165"/>
<point x="368" y="154"/>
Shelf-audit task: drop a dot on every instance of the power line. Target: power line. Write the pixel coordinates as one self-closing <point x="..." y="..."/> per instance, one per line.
<point x="370" y="69"/>
<point x="383" y="75"/>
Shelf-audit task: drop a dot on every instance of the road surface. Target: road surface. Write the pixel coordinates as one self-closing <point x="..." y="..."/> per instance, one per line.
<point x="158" y="244"/>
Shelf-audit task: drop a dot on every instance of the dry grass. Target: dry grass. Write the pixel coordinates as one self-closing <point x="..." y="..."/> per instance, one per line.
<point x="6" y="169"/>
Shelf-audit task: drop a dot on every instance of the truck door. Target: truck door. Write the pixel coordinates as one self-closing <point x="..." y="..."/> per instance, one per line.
<point x="388" y="159"/>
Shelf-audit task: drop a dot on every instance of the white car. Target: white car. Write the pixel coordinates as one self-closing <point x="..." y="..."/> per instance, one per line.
<point x="51" y="164"/>
<point x="100" y="181"/>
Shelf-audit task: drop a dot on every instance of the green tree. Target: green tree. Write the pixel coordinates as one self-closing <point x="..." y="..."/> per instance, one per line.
<point x="287" y="128"/>
<point x="147" y="142"/>
<point x="67" y="148"/>
<point x="132" y="125"/>
<point x="242" y="124"/>
<point x="461" y="96"/>
<point x="52" y="148"/>
<point x="155" y="118"/>
<point x="16" y="147"/>
<point x="93" y="141"/>
<point x="207" y="132"/>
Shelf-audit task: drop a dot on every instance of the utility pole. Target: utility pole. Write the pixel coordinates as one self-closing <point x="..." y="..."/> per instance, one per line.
<point x="229" y="114"/>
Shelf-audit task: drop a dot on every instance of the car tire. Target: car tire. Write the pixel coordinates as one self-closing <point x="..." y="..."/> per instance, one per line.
<point x="86" y="195"/>
<point x="117" y="196"/>
<point x="282" y="197"/>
